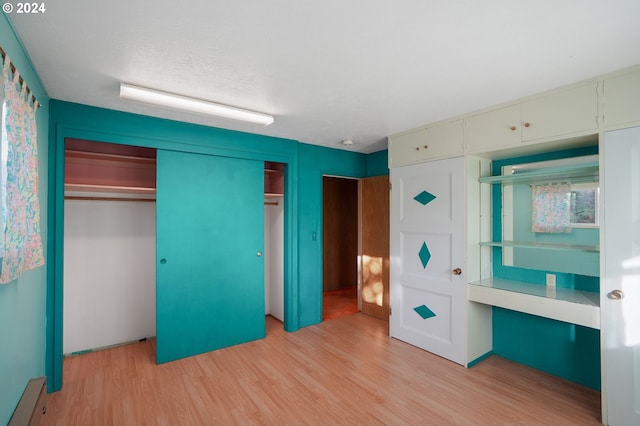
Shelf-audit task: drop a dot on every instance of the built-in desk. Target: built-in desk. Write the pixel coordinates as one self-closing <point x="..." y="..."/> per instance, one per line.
<point x="562" y="304"/>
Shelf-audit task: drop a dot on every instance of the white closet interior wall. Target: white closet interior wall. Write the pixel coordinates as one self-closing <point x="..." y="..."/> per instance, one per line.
<point x="109" y="273"/>
<point x="274" y="257"/>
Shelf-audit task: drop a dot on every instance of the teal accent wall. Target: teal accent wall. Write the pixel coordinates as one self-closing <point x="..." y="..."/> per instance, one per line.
<point x="305" y="166"/>
<point x="378" y="163"/>
<point x="565" y="350"/>
<point x="22" y="302"/>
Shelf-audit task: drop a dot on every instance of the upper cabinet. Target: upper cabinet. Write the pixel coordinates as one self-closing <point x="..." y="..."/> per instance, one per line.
<point x="492" y="130"/>
<point x="437" y="141"/>
<point x="566" y="116"/>
<point x="621" y="106"/>
<point x="569" y="112"/>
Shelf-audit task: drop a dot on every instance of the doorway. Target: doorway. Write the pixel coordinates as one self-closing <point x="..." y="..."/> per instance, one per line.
<point x="355" y="247"/>
<point x="339" y="247"/>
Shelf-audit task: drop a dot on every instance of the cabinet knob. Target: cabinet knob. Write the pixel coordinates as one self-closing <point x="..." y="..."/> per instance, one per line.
<point x="527" y="124"/>
<point x="457" y="271"/>
<point x="616" y="295"/>
<point x="417" y="148"/>
<point x="513" y="127"/>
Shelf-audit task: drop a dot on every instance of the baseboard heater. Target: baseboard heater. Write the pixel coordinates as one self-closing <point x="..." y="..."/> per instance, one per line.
<point x="33" y="404"/>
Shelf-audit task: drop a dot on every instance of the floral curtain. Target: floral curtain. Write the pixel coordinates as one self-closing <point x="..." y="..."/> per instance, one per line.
<point x="551" y="208"/>
<point x="22" y="241"/>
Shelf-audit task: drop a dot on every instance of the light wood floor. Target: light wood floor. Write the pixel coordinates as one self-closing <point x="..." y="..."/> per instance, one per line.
<point x="345" y="371"/>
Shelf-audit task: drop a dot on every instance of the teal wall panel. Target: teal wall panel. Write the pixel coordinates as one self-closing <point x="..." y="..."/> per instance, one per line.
<point x="565" y="350"/>
<point x="378" y="163"/>
<point x="22" y="302"/>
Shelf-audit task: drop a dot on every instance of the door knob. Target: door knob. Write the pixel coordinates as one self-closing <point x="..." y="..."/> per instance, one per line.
<point x="616" y="295"/>
<point x="457" y="271"/>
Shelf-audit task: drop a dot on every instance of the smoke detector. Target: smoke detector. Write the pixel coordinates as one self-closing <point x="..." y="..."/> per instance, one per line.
<point x="347" y="142"/>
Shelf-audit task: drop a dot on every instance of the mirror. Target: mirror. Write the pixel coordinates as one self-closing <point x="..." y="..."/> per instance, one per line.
<point x="550" y="225"/>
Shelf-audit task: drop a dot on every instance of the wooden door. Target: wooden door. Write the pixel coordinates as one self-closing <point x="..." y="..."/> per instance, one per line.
<point x="620" y="301"/>
<point x="374" y="249"/>
<point x="210" y="270"/>
<point x="428" y="298"/>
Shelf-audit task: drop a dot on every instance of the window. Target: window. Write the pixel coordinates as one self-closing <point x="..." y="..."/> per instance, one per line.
<point x="585" y="205"/>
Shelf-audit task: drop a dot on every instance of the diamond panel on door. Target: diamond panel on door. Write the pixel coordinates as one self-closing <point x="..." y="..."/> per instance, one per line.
<point x="424" y="198"/>
<point x="424" y="255"/>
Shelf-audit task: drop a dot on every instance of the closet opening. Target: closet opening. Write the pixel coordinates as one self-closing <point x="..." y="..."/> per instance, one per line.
<point x="274" y="240"/>
<point x="109" y="245"/>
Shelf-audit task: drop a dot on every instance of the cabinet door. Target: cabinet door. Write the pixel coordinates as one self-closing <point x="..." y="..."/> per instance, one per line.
<point x="210" y="269"/>
<point x="427" y="257"/>
<point x="493" y="130"/>
<point x="620" y="297"/>
<point x="562" y="113"/>
<point x="438" y="141"/>
<point x="622" y="99"/>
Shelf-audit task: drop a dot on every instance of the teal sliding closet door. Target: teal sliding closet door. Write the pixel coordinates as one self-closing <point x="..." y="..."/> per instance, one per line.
<point x="209" y="263"/>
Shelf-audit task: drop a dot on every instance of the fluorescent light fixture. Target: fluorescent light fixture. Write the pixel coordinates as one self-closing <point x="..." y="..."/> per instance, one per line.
<point x="155" y="97"/>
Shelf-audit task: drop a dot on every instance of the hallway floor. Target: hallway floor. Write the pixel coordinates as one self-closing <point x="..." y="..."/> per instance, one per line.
<point x="337" y="303"/>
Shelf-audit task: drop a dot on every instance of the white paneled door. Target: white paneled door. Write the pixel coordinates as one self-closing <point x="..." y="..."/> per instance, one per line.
<point x="427" y="257"/>
<point x="620" y="302"/>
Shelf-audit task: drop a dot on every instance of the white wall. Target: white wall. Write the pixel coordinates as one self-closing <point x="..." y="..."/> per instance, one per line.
<point x="109" y="273"/>
<point x="274" y="258"/>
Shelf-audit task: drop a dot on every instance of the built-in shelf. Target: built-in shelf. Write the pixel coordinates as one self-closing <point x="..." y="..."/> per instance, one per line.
<point x="575" y="173"/>
<point x="562" y="304"/>
<point x="544" y="246"/>
<point x="273" y="179"/>
<point x="105" y="157"/>
<point x="75" y="191"/>
<point x="269" y="195"/>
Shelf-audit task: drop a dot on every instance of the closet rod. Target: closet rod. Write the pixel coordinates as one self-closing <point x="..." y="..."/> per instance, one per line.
<point x="21" y="80"/>
<point x="270" y="203"/>
<point x="137" y="200"/>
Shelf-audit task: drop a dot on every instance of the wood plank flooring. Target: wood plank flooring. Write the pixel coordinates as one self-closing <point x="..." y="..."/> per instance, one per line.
<point x="346" y="371"/>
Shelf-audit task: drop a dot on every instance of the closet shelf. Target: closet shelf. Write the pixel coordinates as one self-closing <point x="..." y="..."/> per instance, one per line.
<point x="81" y="187"/>
<point x="99" y="156"/>
<point x="562" y="304"/>
<point x="544" y="246"/>
<point x="574" y="173"/>
<point x="73" y="191"/>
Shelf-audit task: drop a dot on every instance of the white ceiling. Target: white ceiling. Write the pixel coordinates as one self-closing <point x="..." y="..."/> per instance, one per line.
<point x="328" y="70"/>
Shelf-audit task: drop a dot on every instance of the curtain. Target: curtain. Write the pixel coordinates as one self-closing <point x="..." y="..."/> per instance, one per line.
<point x="551" y="205"/>
<point x="22" y="240"/>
